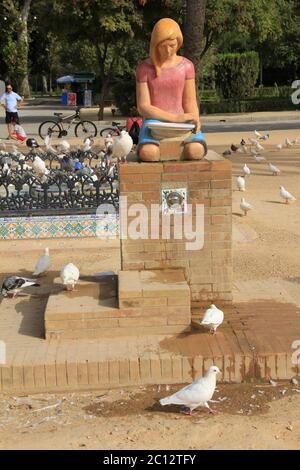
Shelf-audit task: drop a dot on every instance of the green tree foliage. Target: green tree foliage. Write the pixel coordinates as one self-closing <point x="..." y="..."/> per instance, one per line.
<point x="109" y="37"/>
<point x="16" y="43"/>
<point x="249" y="21"/>
<point x="236" y="74"/>
<point x="109" y="25"/>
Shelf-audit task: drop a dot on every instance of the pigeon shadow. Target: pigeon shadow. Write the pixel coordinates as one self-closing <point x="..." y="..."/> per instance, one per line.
<point x="32" y="323"/>
<point x="275" y="202"/>
<point x="158" y="408"/>
<point x="31" y="302"/>
<point x="293" y="279"/>
<point x="237" y="214"/>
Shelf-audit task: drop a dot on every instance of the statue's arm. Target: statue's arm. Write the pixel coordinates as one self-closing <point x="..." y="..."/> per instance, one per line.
<point x="189" y="101"/>
<point x="145" y="108"/>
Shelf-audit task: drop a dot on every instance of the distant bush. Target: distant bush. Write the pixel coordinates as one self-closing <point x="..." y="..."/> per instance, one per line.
<point x="247" y="106"/>
<point x="237" y="73"/>
<point x="125" y="96"/>
<point x="274" y="91"/>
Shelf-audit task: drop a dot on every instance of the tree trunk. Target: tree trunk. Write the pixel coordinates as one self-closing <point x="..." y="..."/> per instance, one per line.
<point x="194" y="15"/>
<point x="103" y="93"/>
<point x="50" y="82"/>
<point x="45" y="84"/>
<point x="22" y="42"/>
<point x="260" y="69"/>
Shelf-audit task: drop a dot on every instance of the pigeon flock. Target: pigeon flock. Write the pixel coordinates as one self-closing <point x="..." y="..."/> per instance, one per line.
<point x="12" y="285"/>
<point x="253" y="149"/>
<point x="78" y="163"/>
<point x="71" y="162"/>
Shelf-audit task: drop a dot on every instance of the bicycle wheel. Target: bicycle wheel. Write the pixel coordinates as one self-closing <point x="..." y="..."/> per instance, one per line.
<point x="85" y="129"/>
<point x="109" y="130"/>
<point x="49" y="128"/>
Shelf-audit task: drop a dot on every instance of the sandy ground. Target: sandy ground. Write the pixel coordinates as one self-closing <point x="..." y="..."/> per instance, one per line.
<point x="252" y="416"/>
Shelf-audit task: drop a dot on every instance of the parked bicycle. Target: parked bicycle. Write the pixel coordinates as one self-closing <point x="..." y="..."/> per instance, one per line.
<point x="115" y="130"/>
<point x="57" y="129"/>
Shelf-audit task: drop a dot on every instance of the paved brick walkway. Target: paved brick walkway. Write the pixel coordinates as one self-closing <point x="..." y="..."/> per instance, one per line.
<point x="254" y="342"/>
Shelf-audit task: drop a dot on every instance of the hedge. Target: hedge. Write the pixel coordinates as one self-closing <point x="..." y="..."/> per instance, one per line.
<point x="125" y="96"/>
<point x="247" y="106"/>
<point x="237" y="74"/>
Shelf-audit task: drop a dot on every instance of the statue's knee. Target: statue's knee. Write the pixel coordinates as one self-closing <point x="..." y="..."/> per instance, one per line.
<point x="194" y="151"/>
<point x="149" y="153"/>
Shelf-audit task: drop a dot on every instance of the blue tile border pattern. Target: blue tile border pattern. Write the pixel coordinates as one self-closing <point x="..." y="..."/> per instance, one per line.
<point x="61" y="226"/>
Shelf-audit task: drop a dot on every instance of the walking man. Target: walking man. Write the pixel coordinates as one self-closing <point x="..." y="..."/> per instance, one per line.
<point x="9" y="101"/>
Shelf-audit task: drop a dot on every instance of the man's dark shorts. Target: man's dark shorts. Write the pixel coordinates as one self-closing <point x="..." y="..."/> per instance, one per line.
<point x="11" y="118"/>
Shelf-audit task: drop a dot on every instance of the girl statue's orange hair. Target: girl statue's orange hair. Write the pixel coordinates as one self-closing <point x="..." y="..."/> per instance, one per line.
<point x="166" y="28"/>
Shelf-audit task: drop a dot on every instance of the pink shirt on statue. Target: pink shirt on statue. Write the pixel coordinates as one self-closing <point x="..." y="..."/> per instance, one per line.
<point x="166" y="91"/>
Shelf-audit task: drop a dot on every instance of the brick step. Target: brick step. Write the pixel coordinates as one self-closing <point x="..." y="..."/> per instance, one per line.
<point x="91" y="311"/>
<point x="102" y="332"/>
<point x="85" y="371"/>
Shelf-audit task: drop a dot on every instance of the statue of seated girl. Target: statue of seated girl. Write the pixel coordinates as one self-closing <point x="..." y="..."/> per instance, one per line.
<point x="166" y="92"/>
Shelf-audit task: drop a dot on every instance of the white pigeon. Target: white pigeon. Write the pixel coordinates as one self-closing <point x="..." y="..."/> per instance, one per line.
<point x="252" y="141"/>
<point x="47" y="140"/>
<point x="213" y="317"/>
<point x="259" y="147"/>
<point x="253" y="152"/>
<point x="246" y="170"/>
<point x="286" y="195"/>
<point x="64" y="146"/>
<point x="240" y="181"/>
<point x="39" y="166"/>
<point x="275" y="171"/>
<point x="87" y="144"/>
<point x="6" y="170"/>
<point x="279" y="146"/>
<point x="244" y="148"/>
<point x="198" y="393"/>
<point x="111" y="171"/>
<point x="69" y="276"/>
<point x="265" y="137"/>
<point x="43" y="264"/>
<point x="48" y="145"/>
<point x="108" y="142"/>
<point x="257" y="134"/>
<point x="259" y="158"/>
<point x="245" y="206"/>
<point x="122" y="145"/>
<point x="288" y="143"/>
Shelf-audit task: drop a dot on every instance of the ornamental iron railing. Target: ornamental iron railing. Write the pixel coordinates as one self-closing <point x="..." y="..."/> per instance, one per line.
<point x="76" y="182"/>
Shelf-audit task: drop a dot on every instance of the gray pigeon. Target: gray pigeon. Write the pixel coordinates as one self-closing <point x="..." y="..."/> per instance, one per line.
<point x="67" y="163"/>
<point x="12" y="284"/>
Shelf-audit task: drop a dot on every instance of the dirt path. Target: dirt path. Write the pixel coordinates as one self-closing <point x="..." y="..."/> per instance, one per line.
<point x="250" y="416"/>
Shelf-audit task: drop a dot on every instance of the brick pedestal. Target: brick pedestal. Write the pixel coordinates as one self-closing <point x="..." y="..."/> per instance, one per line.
<point x="155" y="298"/>
<point x="208" y="270"/>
